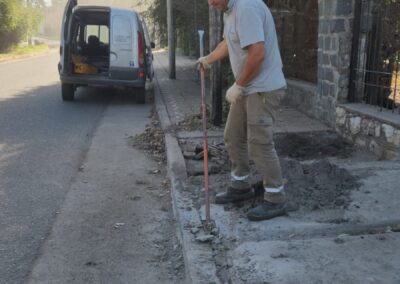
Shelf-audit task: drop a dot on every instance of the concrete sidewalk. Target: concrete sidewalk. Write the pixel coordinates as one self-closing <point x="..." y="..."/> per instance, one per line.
<point x="344" y="219"/>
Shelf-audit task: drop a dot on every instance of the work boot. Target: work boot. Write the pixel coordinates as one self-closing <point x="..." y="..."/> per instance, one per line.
<point x="234" y="195"/>
<point x="258" y="193"/>
<point x="266" y="210"/>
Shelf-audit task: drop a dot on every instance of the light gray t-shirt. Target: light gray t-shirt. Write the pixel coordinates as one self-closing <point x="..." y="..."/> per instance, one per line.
<point x="247" y="22"/>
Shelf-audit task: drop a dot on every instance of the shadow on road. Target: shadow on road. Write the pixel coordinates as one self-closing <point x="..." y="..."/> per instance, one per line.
<point x="43" y="142"/>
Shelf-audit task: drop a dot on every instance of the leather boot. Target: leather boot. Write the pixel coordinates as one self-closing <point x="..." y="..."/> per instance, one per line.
<point x="266" y="210"/>
<point x="234" y="195"/>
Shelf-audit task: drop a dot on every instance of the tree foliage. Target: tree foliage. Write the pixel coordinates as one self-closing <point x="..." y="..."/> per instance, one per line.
<point x="18" y="19"/>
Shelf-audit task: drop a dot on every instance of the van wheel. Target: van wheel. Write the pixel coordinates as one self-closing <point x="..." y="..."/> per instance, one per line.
<point x="67" y="92"/>
<point x="141" y="95"/>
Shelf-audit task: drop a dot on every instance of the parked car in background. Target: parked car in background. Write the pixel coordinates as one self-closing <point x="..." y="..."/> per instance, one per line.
<point x="104" y="46"/>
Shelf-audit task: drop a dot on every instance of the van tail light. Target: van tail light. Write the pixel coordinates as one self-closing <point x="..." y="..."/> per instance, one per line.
<point x="141" y="49"/>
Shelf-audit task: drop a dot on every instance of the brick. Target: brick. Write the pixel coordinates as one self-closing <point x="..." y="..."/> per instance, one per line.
<point x="396" y="138"/>
<point x="344" y="7"/>
<point x="326" y="60"/>
<point x="327" y="43"/>
<point x="388" y="130"/>
<point x="324" y="26"/>
<point x="332" y="91"/>
<point x="321" y="42"/>
<point x="325" y="89"/>
<point x="329" y="75"/>
<point x="355" y="125"/>
<point x="340" y="116"/>
<point x="376" y="148"/>
<point x="334" y="59"/>
<point x="338" y="26"/>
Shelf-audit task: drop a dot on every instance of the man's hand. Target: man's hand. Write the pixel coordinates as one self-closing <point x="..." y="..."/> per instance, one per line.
<point x="203" y="62"/>
<point x="234" y="93"/>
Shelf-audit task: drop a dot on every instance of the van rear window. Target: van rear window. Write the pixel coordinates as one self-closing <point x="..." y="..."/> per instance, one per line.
<point x="100" y="31"/>
<point x="122" y="30"/>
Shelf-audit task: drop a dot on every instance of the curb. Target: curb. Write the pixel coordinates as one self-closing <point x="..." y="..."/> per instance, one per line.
<point x="199" y="264"/>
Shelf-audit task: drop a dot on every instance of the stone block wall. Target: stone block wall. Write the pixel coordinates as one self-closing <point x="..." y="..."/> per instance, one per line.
<point x="335" y="24"/>
<point x="334" y="53"/>
<point x="301" y="95"/>
<point x="377" y="135"/>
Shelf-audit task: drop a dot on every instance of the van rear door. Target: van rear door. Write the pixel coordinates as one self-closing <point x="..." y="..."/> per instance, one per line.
<point x="149" y="52"/>
<point x="123" y="45"/>
<point x="65" y="44"/>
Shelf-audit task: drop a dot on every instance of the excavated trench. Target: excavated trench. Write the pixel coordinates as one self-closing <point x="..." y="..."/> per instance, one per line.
<point x="312" y="182"/>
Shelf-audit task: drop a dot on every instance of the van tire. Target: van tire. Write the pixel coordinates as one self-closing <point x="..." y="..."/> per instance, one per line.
<point x="141" y="95"/>
<point x="67" y="92"/>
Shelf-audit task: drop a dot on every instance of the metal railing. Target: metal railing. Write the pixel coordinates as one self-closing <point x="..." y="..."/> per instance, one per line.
<point x="375" y="77"/>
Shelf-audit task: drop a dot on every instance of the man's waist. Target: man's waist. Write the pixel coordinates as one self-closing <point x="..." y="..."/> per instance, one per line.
<point x="271" y="87"/>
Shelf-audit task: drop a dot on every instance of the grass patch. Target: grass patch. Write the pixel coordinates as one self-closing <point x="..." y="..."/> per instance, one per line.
<point x="22" y="51"/>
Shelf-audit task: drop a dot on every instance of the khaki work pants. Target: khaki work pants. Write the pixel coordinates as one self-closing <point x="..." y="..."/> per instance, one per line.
<point x="249" y="133"/>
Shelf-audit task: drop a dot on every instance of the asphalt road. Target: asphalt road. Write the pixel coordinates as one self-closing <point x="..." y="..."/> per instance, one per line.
<point x="42" y="144"/>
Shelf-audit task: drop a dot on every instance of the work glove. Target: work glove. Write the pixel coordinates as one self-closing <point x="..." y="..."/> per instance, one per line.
<point x="234" y="93"/>
<point x="203" y="62"/>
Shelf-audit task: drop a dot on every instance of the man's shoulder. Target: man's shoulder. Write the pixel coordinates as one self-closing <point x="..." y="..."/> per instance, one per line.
<point x="245" y="4"/>
<point x="256" y="7"/>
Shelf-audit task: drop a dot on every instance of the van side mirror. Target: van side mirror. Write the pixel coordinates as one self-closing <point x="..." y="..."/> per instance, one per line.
<point x="152" y="45"/>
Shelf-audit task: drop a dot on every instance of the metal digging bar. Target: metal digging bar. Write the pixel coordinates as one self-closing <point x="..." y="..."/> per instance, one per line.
<point x="208" y="224"/>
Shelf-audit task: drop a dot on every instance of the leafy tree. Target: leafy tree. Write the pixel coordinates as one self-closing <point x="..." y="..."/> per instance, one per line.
<point x="33" y="16"/>
<point x="11" y="21"/>
<point x="18" y="20"/>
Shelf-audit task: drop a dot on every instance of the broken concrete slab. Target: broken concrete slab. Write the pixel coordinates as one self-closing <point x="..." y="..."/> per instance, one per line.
<point x="360" y="259"/>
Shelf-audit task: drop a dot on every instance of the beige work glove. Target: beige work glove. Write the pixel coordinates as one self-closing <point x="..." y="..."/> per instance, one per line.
<point x="203" y="62"/>
<point x="234" y="93"/>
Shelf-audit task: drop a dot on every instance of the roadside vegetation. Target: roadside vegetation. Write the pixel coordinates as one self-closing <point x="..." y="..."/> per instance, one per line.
<point x="19" y="20"/>
<point x="22" y="51"/>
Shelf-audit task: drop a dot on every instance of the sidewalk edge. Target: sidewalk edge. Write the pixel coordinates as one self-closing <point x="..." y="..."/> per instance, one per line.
<point x="199" y="264"/>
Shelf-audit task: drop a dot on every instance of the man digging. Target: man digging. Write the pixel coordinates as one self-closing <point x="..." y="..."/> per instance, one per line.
<point x="251" y="43"/>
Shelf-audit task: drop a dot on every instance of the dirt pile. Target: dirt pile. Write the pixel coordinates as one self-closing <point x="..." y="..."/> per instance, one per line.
<point x="307" y="146"/>
<point x="151" y="140"/>
<point x="194" y="122"/>
<point x="312" y="181"/>
<point x="318" y="185"/>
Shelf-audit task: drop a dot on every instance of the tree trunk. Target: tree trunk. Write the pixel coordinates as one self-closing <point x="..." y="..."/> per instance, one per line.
<point x="216" y="76"/>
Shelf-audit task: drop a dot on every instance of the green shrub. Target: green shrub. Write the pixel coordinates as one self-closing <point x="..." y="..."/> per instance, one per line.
<point x="18" y="21"/>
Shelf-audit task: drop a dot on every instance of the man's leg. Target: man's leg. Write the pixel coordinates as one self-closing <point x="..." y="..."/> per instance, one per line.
<point x="235" y="137"/>
<point x="261" y="110"/>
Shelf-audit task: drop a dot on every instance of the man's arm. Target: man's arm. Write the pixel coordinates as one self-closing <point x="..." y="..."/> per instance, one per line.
<point x="255" y="59"/>
<point x="219" y="53"/>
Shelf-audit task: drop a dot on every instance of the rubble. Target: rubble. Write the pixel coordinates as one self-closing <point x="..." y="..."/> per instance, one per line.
<point x="151" y="141"/>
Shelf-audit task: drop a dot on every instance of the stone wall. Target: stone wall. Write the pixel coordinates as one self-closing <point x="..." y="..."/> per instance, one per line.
<point x="379" y="135"/>
<point x="335" y="22"/>
<point x="334" y="53"/>
<point x="301" y="95"/>
<point x="327" y="100"/>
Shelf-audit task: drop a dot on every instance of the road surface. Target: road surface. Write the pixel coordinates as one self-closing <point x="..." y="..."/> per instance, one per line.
<point x="43" y="144"/>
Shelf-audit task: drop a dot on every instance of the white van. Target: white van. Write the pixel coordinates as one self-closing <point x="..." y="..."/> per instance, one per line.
<point x="104" y="46"/>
